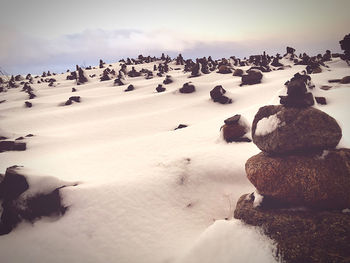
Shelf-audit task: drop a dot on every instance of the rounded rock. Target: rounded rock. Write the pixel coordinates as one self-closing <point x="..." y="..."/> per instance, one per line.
<point x="277" y="129"/>
<point x="319" y="181"/>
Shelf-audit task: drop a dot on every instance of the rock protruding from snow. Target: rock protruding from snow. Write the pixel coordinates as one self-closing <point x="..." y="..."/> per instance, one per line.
<point x="294" y="130"/>
<point x="297" y="95"/>
<point x="187" y="88"/>
<point x="234" y="129"/>
<point x="28" y="198"/>
<point x="217" y="95"/>
<point x="310" y="230"/>
<point x="12" y="146"/>
<point x="252" y="77"/>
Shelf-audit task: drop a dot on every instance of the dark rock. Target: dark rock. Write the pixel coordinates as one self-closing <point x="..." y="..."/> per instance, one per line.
<point x="3" y="138"/>
<point x="295" y="129"/>
<point x="217" y="95"/>
<point x="28" y="104"/>
<point x="316" y="180"/>
<point x="73" y="76"/>
<point x="19" y="138"/>
<point x="302" y="101"/>
<point x="181" y="126"/>
<point x="133" y="73"/>
<point x="345" y="45"/>
<point x="238" y="72"/>
<point x="68" y="102"/>
<point x="321" y="100"/>
<point x="223" y="69"/>
<point x="334" y="80"/>
<point x="31" y="95"/>
<point x="17" y="206"/>
<point x="223" y="100"/>
<point x="168" y="80"/>
<point x="242" y="139"/>
<point x="118" y="82"/>
<point x="29" y="135"/>
<point x="129" y="88"/>
<point x="160" y="88"/>
<point x="345" y="80"/>
<point x="233" y="132"/>
<point x="187" y="88"/>
<point x="75" y="98"/>
<point x="300" y="236"/>
<point x="276" y="62"/>
<point x="217" y="92"/>
<point x="290" y="50"/>
<point x="101" y="64"/>
<point x="325" y="87"/>
<point x="81" y="77"/>
<point x="233" y="120"/>
<point x="74" y="89"/>
<point x="253" y="77"/>
<point x="13" y="185"/>
<point x="19" y="146"/>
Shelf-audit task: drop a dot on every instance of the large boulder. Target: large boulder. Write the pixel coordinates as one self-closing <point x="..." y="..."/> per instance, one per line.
<point x="316" y="180"/>
<point x="277" y="129"/>
<point x="301" y="236"/>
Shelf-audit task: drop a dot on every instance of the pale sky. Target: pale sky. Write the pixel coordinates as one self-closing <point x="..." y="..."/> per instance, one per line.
<point x="39" y="35"/>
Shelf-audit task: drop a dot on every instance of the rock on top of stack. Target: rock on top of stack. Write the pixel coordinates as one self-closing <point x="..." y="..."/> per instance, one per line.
<point x="294" y="126"/>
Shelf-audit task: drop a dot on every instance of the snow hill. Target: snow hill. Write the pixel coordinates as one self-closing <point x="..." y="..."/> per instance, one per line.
<point x="147" y="192"/>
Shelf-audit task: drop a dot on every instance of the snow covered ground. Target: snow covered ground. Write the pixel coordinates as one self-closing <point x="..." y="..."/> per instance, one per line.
<point x="147" y="192"/>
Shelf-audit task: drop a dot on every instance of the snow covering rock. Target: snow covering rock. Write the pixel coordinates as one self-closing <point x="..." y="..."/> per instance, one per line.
<point x="28" y="198"/>
<point x="313" y="180"/>
<point x="230" y="241"/>
<point x="294" y="129"/>
<point x="301" y="236"/>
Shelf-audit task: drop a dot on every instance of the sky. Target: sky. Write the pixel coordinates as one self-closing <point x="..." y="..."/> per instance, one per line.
<point x="41" y="35"/>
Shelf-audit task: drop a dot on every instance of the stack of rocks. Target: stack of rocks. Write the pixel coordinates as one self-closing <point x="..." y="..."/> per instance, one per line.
<point x="300" y="169"/>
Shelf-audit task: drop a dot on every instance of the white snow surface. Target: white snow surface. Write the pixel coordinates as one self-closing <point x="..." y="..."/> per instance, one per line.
<point x="267" y="125"/>
<point x="146" y="193"/>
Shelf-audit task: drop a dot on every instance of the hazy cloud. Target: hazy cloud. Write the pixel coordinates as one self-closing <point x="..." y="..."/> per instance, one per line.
<point x="21" y="53"/>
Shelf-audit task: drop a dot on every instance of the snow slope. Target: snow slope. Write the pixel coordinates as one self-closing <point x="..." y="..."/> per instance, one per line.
<point x="147" y="192"/>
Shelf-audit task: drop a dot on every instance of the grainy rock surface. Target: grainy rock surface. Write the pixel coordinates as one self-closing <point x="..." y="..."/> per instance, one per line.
<point x="313" y="180"/>
<point x="299" y="129"/>
<point x="301" y="236"/>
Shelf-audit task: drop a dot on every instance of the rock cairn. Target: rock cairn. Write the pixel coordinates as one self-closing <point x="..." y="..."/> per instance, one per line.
<point x="302" y="181"/>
